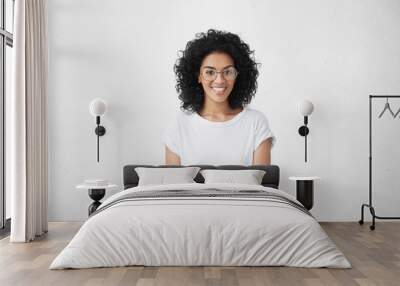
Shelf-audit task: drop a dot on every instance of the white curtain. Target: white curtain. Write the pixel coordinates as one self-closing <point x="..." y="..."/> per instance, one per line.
<point x="28" y="122"/>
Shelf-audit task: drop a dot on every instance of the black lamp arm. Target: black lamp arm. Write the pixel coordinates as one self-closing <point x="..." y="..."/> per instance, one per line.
<point x="100" y="131"/>
<point x="303" y="131"/>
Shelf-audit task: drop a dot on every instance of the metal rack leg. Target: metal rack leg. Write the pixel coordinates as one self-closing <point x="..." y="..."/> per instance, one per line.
<point x="372" y="210"/>
<point x="374" y="216"/>
<point x="361" y="221"/>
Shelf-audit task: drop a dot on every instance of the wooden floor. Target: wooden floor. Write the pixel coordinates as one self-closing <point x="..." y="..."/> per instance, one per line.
<point x="374" y="255"/>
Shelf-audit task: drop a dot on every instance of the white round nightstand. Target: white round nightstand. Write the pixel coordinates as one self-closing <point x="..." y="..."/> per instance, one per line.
<point x="305" y="190"/>
<point x="96" y="193"/>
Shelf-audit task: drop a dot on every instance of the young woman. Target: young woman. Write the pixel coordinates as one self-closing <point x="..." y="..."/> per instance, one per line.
<point x="216" y="79"/>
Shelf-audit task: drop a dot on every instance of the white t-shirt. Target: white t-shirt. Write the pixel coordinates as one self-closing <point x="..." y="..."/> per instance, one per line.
<point x="200" y="141"/>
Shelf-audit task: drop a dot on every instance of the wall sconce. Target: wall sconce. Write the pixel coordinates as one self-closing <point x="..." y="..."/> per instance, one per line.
<point x="97" y="108"/>
<point x="305" y="108"/>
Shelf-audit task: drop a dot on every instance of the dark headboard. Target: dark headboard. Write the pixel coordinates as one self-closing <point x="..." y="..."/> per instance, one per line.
<point x="270" y="179"/>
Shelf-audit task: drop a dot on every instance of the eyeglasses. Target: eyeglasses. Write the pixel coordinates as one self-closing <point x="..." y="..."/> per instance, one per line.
<point x="210" y="74"/>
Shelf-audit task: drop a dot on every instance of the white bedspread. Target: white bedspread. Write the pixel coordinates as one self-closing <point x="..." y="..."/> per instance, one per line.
<point x="200" y="231"/>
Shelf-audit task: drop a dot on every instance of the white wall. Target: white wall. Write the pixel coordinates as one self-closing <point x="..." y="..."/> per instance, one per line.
<point x="334" y="53"/>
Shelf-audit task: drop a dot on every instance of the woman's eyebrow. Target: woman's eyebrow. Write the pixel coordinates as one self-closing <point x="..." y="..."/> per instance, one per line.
<point x="209" y="67"/>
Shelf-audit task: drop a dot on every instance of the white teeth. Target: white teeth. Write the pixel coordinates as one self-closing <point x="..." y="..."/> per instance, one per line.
<point x="218" y="88"/>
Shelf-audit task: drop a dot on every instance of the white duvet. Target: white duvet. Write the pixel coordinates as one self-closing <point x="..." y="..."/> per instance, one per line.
<point x="200" y="231"/>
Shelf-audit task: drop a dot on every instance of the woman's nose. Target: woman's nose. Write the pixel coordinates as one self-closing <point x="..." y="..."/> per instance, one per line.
<point x="219" y="78"/>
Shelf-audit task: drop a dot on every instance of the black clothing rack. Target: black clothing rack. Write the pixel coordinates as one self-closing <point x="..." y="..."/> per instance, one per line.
<point x="369" y="205"/>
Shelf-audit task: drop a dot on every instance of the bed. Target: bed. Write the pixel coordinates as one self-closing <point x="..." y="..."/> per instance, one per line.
<point x="201" y="224"/>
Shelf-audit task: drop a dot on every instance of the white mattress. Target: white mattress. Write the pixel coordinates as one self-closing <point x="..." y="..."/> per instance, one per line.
<point x="200" y="231"/>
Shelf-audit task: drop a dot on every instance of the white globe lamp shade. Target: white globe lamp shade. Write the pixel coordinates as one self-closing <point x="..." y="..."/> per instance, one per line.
<point x="97" y="107"/>
<point x="305" y="107"/>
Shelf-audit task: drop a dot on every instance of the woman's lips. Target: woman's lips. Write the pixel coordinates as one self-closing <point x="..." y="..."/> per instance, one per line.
<point x="218" y="90"/>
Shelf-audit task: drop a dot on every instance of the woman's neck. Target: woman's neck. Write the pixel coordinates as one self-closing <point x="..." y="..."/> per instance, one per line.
<point x="218" y="111"/>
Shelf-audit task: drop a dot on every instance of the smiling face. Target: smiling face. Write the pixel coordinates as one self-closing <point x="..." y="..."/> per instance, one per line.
<point x="217" y="76"/>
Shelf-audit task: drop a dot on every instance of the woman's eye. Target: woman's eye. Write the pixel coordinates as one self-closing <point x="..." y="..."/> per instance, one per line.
<point x="228" y="73"/>
<point x="210" y="72"/>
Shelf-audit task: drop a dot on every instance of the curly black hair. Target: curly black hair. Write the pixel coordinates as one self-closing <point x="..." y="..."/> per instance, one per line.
<point x="187" y="69"/>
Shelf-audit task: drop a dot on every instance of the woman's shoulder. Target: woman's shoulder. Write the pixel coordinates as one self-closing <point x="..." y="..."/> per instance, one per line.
<point x="261" y="126"/>
<point x="182" y="117"/>
<point x="184" y="113"/>
<point x="255" y="115"/>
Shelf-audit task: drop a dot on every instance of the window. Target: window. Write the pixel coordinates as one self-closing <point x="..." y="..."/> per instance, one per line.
<point x="6" y="44"/>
